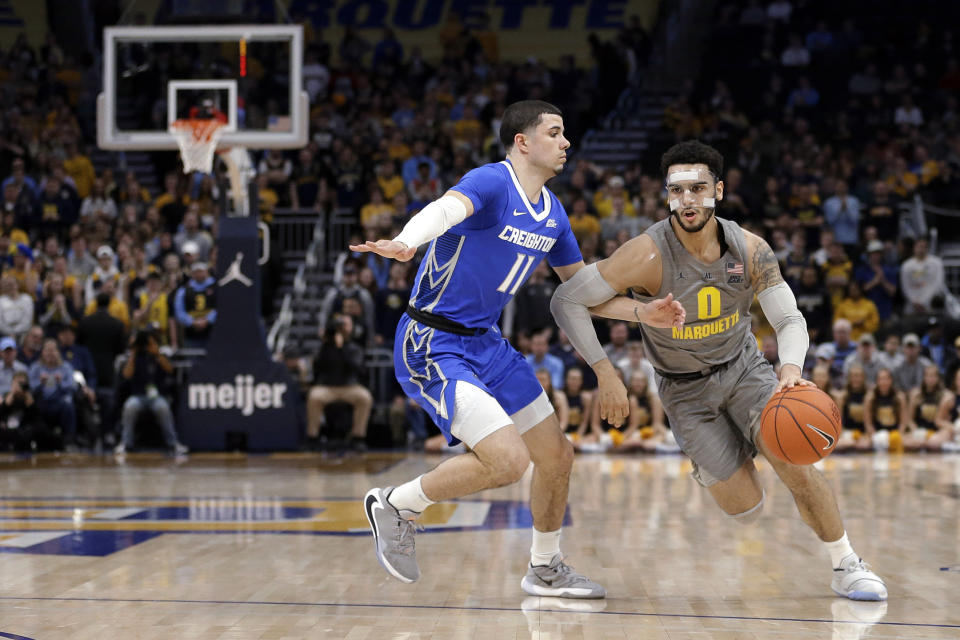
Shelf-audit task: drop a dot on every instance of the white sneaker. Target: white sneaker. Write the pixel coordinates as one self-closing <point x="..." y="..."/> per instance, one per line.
<point x="120" y="449"/>
<point x="180" y="449"/>
<point x="856" y="581"/>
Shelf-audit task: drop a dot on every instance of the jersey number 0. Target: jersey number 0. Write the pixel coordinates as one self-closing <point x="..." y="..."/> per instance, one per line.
<point x="708" y="303"/>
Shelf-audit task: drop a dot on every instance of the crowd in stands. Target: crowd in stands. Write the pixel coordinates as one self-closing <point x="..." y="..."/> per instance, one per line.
<point x="828" y="127"/>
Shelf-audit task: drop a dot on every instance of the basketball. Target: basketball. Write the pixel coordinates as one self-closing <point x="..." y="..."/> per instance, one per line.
<point x="800" y="425"/>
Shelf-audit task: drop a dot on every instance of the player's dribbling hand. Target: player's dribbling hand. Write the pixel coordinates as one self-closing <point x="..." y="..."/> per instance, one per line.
<point x="387" y="249"/>
<point x="614" y="405"/>
<point x="664" y="313"/>
<point x="790" y="376"/>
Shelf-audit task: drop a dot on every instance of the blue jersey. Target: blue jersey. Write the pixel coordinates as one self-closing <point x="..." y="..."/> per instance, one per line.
<point x="472" y="271"/>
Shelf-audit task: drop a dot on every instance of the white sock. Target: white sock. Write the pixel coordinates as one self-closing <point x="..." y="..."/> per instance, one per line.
<point x="839" y="549"/>
<point x="545" y="546"/>
<point x="410" y="497"/>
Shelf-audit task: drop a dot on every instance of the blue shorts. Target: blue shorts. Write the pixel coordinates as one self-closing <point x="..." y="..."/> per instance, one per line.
<point x="428" y="362"/>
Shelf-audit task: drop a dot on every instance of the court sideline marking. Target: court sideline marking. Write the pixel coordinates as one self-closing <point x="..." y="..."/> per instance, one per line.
<point x="452" y="608"/>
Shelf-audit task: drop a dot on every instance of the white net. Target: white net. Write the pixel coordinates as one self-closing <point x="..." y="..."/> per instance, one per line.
<point x="198" y="141"/>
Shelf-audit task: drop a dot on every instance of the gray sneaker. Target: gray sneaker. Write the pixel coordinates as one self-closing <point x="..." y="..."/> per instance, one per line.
<point x="560" y="580"/>
<point x="392" y="535"/>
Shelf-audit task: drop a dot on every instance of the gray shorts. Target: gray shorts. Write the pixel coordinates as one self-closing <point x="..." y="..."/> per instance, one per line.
<point x="716" y="419"/>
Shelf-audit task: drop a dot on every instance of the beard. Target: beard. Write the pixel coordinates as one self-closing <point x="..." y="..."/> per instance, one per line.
<point x="697" y="226"/>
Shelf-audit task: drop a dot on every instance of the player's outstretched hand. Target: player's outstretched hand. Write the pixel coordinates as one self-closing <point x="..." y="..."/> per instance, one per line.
<point x="664" y="313"/>
<point x="790" y="375"/>
<point x="387" y="249"/>
<point x="614" y="405"/>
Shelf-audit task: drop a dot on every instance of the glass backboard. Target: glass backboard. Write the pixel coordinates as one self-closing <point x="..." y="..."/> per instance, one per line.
<point x="154" y="75"/>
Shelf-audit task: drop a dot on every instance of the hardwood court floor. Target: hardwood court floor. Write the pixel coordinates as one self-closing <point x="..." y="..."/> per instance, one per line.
<point x="276" y="547"/>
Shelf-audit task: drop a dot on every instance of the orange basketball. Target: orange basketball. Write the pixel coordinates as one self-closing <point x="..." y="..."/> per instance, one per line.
<point x="800" y="425"/>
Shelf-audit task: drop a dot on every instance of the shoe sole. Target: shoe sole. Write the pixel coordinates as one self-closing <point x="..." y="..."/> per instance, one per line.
<point x="367" y="506"/>
<point x="561" y="592"/>
<point x="861" y="596"/>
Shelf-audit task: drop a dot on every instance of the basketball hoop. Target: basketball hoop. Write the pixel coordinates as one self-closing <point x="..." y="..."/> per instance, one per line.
<point x="197" y="138"/>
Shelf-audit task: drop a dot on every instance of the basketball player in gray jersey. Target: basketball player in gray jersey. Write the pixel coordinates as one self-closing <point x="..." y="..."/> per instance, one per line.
<point x="714" y="382"/>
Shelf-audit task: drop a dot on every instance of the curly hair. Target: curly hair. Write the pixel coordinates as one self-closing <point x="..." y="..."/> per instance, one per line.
<point x="692" y="152"/>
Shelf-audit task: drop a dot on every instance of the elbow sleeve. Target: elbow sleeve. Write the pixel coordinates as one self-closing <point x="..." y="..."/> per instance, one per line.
<point x="570" y="307"/>
<point x="780" y="307"/>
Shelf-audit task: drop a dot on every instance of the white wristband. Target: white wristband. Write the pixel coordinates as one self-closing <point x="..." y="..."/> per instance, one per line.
<point x="433" y="221"/>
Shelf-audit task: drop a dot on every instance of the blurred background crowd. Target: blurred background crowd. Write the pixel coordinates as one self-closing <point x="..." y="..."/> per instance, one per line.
<point x="835" y="120"/>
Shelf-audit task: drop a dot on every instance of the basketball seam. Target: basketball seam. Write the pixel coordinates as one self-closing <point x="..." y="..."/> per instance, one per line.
<point x="803" y="433"/>
<point x="776" y="431"/>
<point x="810" y="404"/>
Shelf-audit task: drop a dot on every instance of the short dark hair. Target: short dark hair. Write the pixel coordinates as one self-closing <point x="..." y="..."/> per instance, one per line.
<point x="520" y="116"/>
<point x="692" y="152"/>
<point x="103" y="300"/>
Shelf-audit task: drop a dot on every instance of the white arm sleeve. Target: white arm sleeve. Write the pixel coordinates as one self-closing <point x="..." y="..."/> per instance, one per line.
<point x="432" y="221"/>
<point x="571" y="304"/>
<point x="780" y="307"/>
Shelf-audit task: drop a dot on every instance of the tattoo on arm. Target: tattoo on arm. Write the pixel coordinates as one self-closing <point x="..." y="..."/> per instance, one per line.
<point x="765" y="268"/>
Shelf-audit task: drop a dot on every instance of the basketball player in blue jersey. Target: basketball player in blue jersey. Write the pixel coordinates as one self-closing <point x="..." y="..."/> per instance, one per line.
<point x="714" y="381"/>
<point x="486" y="235"/>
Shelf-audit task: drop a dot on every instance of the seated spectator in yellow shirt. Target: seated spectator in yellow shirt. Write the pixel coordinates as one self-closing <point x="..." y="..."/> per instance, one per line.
<point x="603" y="198"/>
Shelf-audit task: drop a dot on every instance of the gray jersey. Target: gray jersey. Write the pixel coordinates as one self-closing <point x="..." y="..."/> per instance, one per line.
<point x="717" y="299"/>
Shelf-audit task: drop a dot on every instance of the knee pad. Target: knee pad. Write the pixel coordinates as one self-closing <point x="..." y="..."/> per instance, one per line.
<point x="752" y="514"/>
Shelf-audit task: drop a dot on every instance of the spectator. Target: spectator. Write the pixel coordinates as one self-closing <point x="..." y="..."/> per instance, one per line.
<point x="349" y="287"/>
<point x="865" y="357"/>
<point x="932" y="343"/>
<point x="23" y="269"/>
<point x="842" y="213"/>
<point x="79" y="261"/>
<point x="9" y="365"/>
<point x="57" y="209"/>
<point x="814" y="301"/>
<point x="645" y="426"/>
<point x="891" y="357"/>
<point x="18" y="204"/>
<point x="617" y="348"/>
<point x="910" y="372"/>
<point x="885" y="413"/>
<point x="908" y="114"/>
<point x="842" y="345"/>
<point x="337" y="372"/>
<point x="376" y="209"/>
<point x="106" y="269"/>
<point x="117" y="307"/>
<point x="878" y="280"/>
<point x="192" y="232"/>
<point x="172" y="203"/>
<point x="411" y="165"/>
<point x="79" y="167"/>
<point x="540" y="358"/>
<point x="533" y="304"/>
<point x="151" y="311"/>
<point x="30" y="346"/>
<point x="308" y="182"/>
<point x="20" y="179"/>
<point x="389" y="182"/>
<point x="18" y="413"/>
<point x="837" y="272"/>
<point x="603" y="199"/>
<point x="795" y="55"/>
<point x="921" y="280"/>
<point x="424" y="188"/>
<point x="54" y="305"/>
<point x="779" y="11"/>
<point x="578" y="404"/>
<point x="636" y="361"/>
<point x="582" y="222"/>
<point x="851" y="401"/>
<point x="951" y="360"/>
<point x="391" y="302"/>
<point x="16" y="309"/>
<point x="860" y="311"/>
<point x="104" y="337"/>
<point x="51" y="379"/>
<point x="195" y="306"/>
<point x="145" y="373"/>
<point x="557" y="398"/>
<point x="928" y="413"/>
